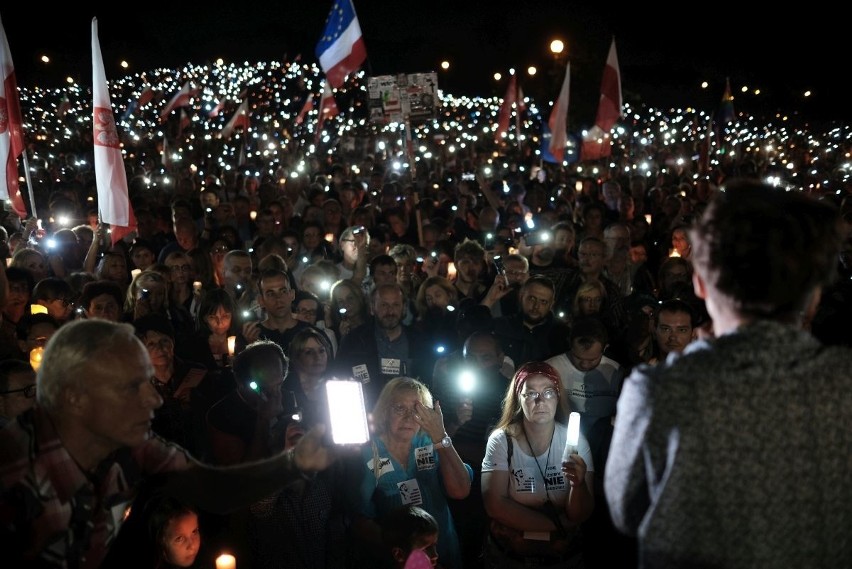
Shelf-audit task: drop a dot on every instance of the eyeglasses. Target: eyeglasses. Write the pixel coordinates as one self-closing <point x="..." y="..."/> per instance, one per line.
<point x="534" y="395"/>
<point x="28" y="391"/>
<point x="180" y="268"/>
<point x="402" y="411"/>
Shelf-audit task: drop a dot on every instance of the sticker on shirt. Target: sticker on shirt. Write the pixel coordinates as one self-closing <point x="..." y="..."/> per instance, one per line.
<point x="360" y="373"/>
<point x="554" y="477"/>
<point x="391" y="366"/>
<point x="385" y="466"/>
<point x="522" y="482"/>
<point x="425" y="457"/>
<point x="409" y="492"/>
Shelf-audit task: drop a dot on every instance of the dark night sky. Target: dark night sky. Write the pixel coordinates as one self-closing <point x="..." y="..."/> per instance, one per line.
<point x="665" y="51"/>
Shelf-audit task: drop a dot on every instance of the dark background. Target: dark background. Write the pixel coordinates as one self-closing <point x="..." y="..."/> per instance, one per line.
<point x="665" y="50"/>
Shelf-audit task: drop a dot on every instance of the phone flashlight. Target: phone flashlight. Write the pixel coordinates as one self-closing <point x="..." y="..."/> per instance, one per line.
<point x="467" y="381"/>
<point x="347" y="412"/>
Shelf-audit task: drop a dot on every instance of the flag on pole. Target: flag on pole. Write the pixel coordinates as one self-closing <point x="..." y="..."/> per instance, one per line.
<point x="217" y="109"/>
<point x="11" y="130"/>
<point x="559" y="119"/>
<point x="145" y="96"/>
<point x="341" y="48"/>
<point x="184" y="122"/>
<point x="726" y="109"/>
<point x="597" y="143"/>
<point x="240" y="118"/>
<point x="327" y="107"/>
<point x="506" y="108"/>
<point x="110" y="176"/>
<point x="306" y="108"/>
<point x="181" y="99"/>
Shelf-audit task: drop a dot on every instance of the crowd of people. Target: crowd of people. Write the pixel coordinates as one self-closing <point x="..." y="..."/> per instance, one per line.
<point x="166" y="393"/>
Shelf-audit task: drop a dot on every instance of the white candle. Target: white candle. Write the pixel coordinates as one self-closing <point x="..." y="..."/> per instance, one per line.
<point x="135" y="273"/>
<point x="196" y="287"/>
<point x="232" y="344"/>
<point x="573" y="435"/>
<point x="253" y="215"/>
<point x="226" y="561"/>
<point x="451" y="270"/>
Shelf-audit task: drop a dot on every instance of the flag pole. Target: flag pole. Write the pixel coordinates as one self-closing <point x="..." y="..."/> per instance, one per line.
<point x="29" y="183"/>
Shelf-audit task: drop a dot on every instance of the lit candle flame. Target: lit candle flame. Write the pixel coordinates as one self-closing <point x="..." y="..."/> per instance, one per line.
<point x="35" y="357"/>
<point x="226" y="561"/>
<point x="232" y="345"/>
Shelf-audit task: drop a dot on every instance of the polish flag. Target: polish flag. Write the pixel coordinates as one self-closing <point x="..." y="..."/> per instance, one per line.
<point x="559" y="118"/>
<point x="240" y="118"/>
<point x="11" y="130"/>
<point x="341" y="48"/>
<point x="181" y="99"/>
<point x="327" y="107"/>
<point x="217" y="109"/>
<point x="110" y="176"/>
<point x="145" y="96"/>
<point x="597" y="143"/>
<point x="506" y="109"/>
<point x="306" y="108"/>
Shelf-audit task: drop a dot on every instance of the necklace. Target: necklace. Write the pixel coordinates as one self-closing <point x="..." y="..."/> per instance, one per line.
<point x="546" y="461"/>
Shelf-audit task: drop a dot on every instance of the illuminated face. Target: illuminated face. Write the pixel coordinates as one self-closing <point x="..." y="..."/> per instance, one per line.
<point x="312" y="359"/>
<point x="563" y="240"/>
<point x="104" y="306"/>
<point x="401" y="423"/>
<point x="586" y="358"/>
<point x="115" y="269"/>
<point x="680" y="242"/>
<point x="638" y="254"/>
<point x="673" y="331"/>
<point x="385" y="274"/>
<point x="348" y="299"/>
<point x="181" y="540"/>
<point x="539" y="399"/>
<point x="155" y="297"/>
<point x="484" y="353"/>
<point x="589" y="302"/>
<point x="142" y="258"/>
<point x="237" y="271"/>
<point x="36" y="265"/>
<point x="428" y="544"/>
<point x="536" y="300"/>
<point x="311" y="238"/>
<point x="219" y="321"/>
<point x="437" y="298"/>
<point x="468" y="269"/>
<point x="516" y="272"/>
<point x="388" y="308"/>
<point x="276" y="297"/>
<point x="161" y="348"/>
<point x="180" y="271"/>
<point x="306" y="310"/>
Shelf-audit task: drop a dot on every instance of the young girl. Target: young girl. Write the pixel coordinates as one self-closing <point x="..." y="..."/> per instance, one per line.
<point x="174" y="534"/>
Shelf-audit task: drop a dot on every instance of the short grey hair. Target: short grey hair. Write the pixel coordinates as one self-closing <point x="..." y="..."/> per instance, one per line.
<point x="73" y="347"/>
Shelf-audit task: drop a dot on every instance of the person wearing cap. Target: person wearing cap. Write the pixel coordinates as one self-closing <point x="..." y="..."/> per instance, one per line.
<point x="536" y="491"/>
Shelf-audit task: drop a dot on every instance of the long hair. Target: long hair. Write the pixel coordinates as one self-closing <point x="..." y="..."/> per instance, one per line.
<point x="513" y="413"/>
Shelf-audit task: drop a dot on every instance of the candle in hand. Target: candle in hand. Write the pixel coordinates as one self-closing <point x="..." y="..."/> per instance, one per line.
<point x="226" y="561"/>
<point x="232" y="344"/>
<point x="35" y="357"/>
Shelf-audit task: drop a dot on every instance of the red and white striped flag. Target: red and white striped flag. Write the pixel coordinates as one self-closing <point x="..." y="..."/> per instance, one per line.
<point x="11" y="129"/>
<point x="181" y="99"/>
<point x="184" y="122"/>
<point x="240" y="118"/>
<point x="110" y="176"/>
<point x="559" y="119"/>
<point x="217" y="109"/>
<point x="145" y="96"/>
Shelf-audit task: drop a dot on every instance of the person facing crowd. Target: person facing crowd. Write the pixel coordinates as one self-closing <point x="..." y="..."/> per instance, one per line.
<point x="730" y="412"/>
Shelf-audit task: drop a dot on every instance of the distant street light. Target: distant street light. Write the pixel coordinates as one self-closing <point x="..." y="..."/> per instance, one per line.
<point x="445" y="65"/>
<point x="531" y="70"/>
<point x="498" y="76"/>
<point x="557" y="47"/>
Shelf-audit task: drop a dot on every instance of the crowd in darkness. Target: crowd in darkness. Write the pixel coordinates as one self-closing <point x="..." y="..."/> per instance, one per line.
<point x="265" y="264"/>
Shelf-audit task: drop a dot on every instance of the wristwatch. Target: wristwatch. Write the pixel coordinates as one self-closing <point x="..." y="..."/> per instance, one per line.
<point x="446" y="442"/>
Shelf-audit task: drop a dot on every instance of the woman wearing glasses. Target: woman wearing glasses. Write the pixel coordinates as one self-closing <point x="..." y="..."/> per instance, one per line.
<point x="534" y="499"/>
<point x="409" y="461"/>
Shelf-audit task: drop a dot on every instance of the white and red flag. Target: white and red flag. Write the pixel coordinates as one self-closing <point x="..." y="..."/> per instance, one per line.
<point x="597" y="143"/>
<point x="240" y="118"/>
<point x="341" y="48"/>
<point x="306" y="108"/>
<point x="11" y="130"/>
<point x="110" y="176"/>
<point x="180" y="99"/>
<point x="327" y="107"/>
<point x="559" y="119"/>
<point x="217" y="109"/>
<point x="506" y="108"/>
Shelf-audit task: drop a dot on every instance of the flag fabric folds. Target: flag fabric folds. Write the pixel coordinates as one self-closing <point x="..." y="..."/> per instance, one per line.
<point x="327" y="107"/>
<point x="181" y="99"/>
<point x="597" y="143"/>
<point x="559" y="118"/>
<point x="341" y="48"/>
<point x="509" y="100"/>
<point x="306" y="108"/>
<point x="240" y="118"/>
<point x="11" y="129"/>
<point x="110" y="176"/>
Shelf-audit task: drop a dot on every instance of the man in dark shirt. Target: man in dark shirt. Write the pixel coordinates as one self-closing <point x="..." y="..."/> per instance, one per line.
<point x="276" y="298"/>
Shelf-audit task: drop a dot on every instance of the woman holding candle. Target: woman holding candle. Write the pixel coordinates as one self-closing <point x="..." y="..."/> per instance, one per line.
<point x="215" y="322"/>
<point x="535" y="499"/>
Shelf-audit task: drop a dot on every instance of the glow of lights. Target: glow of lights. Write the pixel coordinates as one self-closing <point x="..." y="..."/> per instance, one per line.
<point x="36" y="355"/>
<point x="498" y="76"/>
<point x="232" y="345"/>
<point x="531" y="70"/>
<point x="445" y="65"/>
<point x="557" y="46"/>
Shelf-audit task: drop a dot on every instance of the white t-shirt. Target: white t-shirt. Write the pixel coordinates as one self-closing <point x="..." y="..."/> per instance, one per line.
<point x="526" y="483"/>
<point x="592" y="393"/>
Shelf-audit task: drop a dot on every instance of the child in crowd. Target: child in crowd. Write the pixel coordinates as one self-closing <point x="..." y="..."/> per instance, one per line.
<point x="408" y="530"/>
<point x="175" y="537"/>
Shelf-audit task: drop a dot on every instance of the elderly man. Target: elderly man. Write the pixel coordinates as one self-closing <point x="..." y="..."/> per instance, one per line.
<point x="735" y="454"/>
<point x="71" y="466"/>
